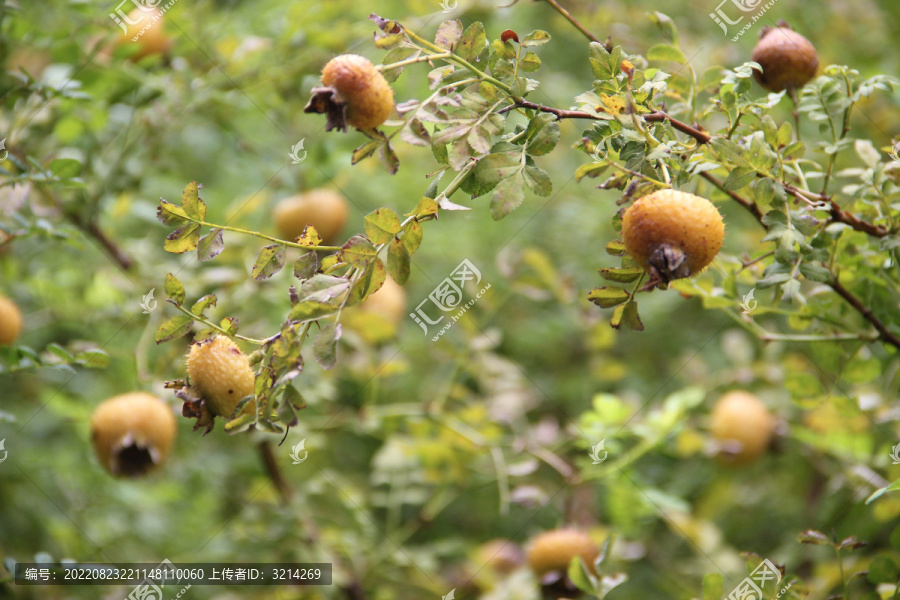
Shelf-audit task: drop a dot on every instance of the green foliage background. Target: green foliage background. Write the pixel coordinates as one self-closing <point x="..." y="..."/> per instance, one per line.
<point x="418" y="451"/>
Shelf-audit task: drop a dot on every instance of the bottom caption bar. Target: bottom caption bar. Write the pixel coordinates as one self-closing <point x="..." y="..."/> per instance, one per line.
<point x="154" y="576"/>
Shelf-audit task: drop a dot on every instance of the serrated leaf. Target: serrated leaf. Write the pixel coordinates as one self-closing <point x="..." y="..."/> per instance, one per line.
<point x="170" y="214"/>
<point x="621" y="275"/>
<point x="815" y="272"/>
<point x="306" y="265"/>
<point x="449" y="34"/>
<point x="738" y="178"/>
<point x="174" y="328"/>
<point x="193" y="206"/>
<point x="369" y="283"/>
<point x="358" y="252"/>
<point x="607" y="297"/>
<point x="412" y="237"/>
<point x="324" y="288"/>
<point x="65" y="168"/>
<point x="203" y="303"/>
<point x="666" y="52"/>
<point x="174" y="290"/>
<point x="415" y="134"/>
<point x="381" y="225"/>
<point x="616" y="248"/>
<point x="229" y="324"/>
<point x="535" y="38"/>
<point x="538" y="180"/>
<point x="627" y="314"/>
<point x="210" y="245"/>
<point x="183" y="239"/>
<point x="269" y="262"/>
<point x="364" y="151"/>
<point x="426" y="206"/>
<point x="472" y="42"/>
<point x="325" y="345"/>
<point x="310" y="237"/>
<point x="530" y="63"/>
<point x="398" y="262"/>
<point x="507" y="196"/>
<point x="389" y="158"/>
<point x="545" y="140"/>
<point x="490" y="170"/>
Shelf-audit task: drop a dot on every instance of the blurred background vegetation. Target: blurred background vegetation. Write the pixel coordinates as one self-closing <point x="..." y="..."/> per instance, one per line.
<point x="418" y="451"/>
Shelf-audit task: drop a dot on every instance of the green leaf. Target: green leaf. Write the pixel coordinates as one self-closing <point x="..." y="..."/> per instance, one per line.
<point x="381" y="225"/>
<point x="666" y="25"/>
<point x="815" y="272"/>
<point x="306" y="265"/>
<point x="389" y="158"/>
<point x="817" y="538"/>
<point x="879" y="493"/>
<point x="325" y="346"/>
<point x="191" y="203"/>
<point x="472" y="42"/>
<point x="92" y="359"/>
<point x="448" y="34"/>
<point x="490" y="170"/>
<point x="616" y="248"/>
<point x="591" y="169"/>
<point x="412" y="237"/>
<point x="65" y="168"/>
<point x="365" y="151"/>
<point x="203" y="303"/>
<point x="229" y="324"/>
<point x="358" y="252"/>
<point x="210" y="245"/>
<point x="426" y="206"/>
<point x="310" y="309"/>
<point x="627" y="314"/>
<point x="538" y="180"/>
<point x="324" y="288"/>
<point x="507" y="196"/>
<point x="398" y="262"/>
<point x="535" y="38"/>
<point x="369" y="283"/>
<point x="544" y="140"/>
<point x="738" y="178"/>
<point x="183" y="239"/>
<point x="530" y="63"/>
<point x="174" y="289"/>
<point x="607" y="297"/>
<point x="666" y="52"/>
<point x="621" y="275"/>
<point x="882" y="570"/>
<point x="174" y="328"/>
<point x="713" y="586"/>
<point x="269" y="262"/>
<point x="170" y="214"/>
<point x="396" y="55"/>
<point x="579" y="575"/>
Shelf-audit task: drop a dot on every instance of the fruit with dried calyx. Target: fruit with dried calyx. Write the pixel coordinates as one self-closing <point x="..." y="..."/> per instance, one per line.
<point x="552" y="551"/>
<point x="324" y="209"/>
<point x="743" y="426"/>
<point x="353" y="92"/>
<point x="221" y="374"/>
<point x="10" y="321"/>
<point x="788" y="59"/>
<point x="132" y="433"/>
<point x="672" y="234"/>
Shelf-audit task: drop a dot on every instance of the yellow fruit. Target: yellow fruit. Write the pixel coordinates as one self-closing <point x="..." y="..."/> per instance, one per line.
<point x="132" y="433"/>
<point x="743" y="424"/>
<point x="500" y="555"/>
<point x="324" y="209"/>
<point x="222" y="374"/>
<point x="10" y="321"/>
<point x="788" y="59"/>
<point x="554" y="550"/>
<point x="672" y="234"/>
<point x="389" y="302"/>
<point x="154" y="40"/>
<point x="355" y="93"/>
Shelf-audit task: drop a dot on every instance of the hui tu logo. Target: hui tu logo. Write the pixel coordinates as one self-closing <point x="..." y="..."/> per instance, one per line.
<point x="447" y="7"/>
<point x="5" y="453"/>
<point x="448" y="297"/>
<point x="299" y="452"/>
<point x="295" y="152"/>
<point x="4" y="153"/>
<point x="596" y="450"/>
<point x="148" y="303"/>
<point x="748" y="305"/>
<point x="895" y="454"/>
<point x="450" y="596"/>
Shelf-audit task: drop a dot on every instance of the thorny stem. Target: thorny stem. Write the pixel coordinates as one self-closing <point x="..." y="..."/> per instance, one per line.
<point x="265" y="237"/>
<point x="211" y="325"/>
<point x="568" y="16"/>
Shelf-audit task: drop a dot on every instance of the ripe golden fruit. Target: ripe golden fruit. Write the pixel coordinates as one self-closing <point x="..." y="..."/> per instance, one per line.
<point x="154" y="40"/>
<point x="788" y="59"/>
<point x="324" y="209"/>
<point x="672" y="234"/>
<point x="389" y="302"/>
<point x="743" y="424"/>
<point x="554" y="550"/>
<point x="132" y="433"/>
<point x="10" y="321"/>
<point x="354" y="93"/>
<point x="500" y="555"/>
<point x="222" y="374"/>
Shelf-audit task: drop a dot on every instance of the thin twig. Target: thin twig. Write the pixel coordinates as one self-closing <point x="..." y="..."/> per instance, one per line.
<point x="838" y="214"/>
<point x="886" y="335"/>
<point x="271" y="466"/>
<point x="750" y="206"/>
<point x="607" y="44"/>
